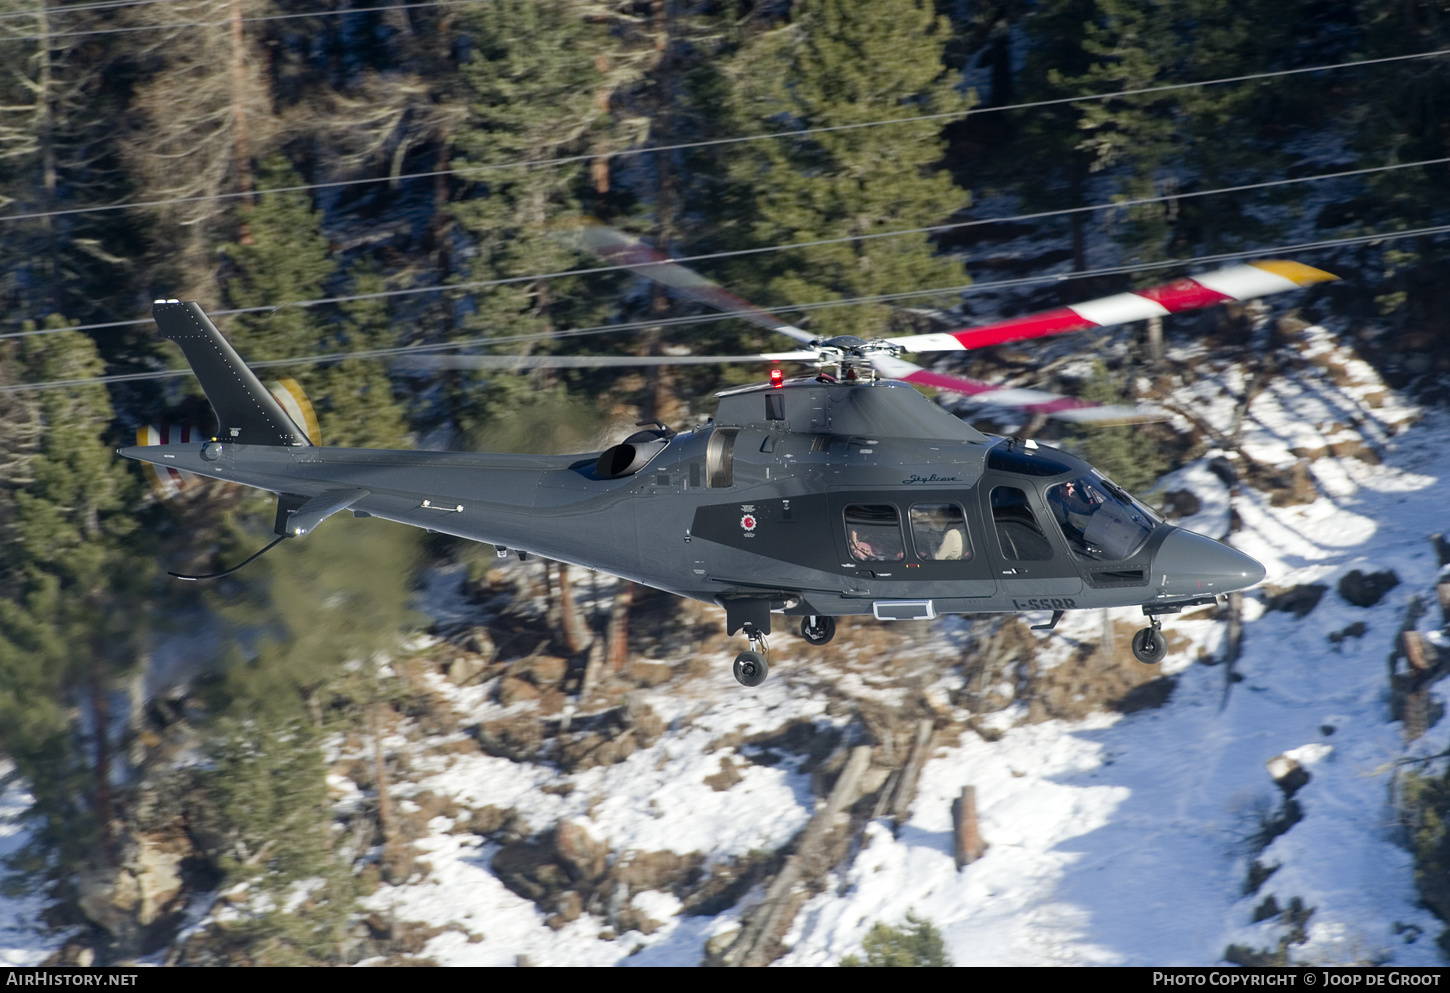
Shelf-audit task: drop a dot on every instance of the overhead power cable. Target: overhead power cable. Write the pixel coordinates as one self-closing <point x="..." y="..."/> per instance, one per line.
<point x="83" y="8"/>
<point x="706" y="143"/>
<point x="932" y="229"/>
<point x="710" y="318"/>
<point x="51" y="35"/>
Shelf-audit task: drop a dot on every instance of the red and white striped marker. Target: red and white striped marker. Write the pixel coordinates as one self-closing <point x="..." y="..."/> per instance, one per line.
<point x="165" y="481"/>
<point x="1240" y="282"/>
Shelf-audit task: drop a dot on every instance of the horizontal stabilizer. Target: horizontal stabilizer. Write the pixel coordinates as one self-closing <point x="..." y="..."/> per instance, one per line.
<point x="298" y="515"/>
<point x="246" y="410"/>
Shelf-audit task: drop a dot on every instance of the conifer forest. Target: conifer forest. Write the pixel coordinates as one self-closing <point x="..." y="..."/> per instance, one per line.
<point x="237" y="772"/>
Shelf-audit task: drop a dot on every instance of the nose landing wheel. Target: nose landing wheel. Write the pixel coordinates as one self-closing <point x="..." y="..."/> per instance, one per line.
<point x="750" y="666"/>
<point x="818" y="630"/>
<point x="1149" y="645"/>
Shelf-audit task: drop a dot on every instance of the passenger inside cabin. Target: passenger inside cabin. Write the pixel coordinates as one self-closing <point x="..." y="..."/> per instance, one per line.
<point x="939" y="531"/>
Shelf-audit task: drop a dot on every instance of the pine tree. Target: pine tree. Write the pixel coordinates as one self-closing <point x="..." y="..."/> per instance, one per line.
<point x="355" y="397"/>
<point x="1156" y="144"/>
<point x="340" y="593"/>
<point x="835" y="65"/>
<point x="312" y="615"/>
<point x="1396" y="113"/>
<point x="269" y="785"/>
<point x="75" y="579"/>
<point x="533" y="91"/>
<point x="1424" y="806"/>
<point x="283" y="259"/>
<point x="286" y="259"/>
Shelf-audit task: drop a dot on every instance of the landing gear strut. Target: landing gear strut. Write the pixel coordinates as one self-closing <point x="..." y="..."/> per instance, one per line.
<point x="751" y="667"/>
<point x="818" y="630"/>
<point x="1149" y="645"/>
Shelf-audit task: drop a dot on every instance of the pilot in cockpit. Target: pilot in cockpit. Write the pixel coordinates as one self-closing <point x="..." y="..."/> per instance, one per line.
<point x="1073" y="504"/>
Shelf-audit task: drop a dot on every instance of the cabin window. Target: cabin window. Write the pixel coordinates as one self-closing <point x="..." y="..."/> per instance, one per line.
<point x="1018" y="532"/>
<point x="873" y="533"/>
<point x="939" y="531"/>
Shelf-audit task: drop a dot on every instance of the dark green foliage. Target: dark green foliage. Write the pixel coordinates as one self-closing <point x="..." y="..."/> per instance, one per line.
<point x="282" y="257"/>
<point x="915" y="942"/>
<point x="270" y="791"/>
<point x="1425" y="813"/>
<point x="285" y="257"/>
<point x="57" y="118"/>
<point x="841" y="63"/>
<point x="521" y="419"/>
<point x="1166" y="142"/>
<point x="309" y="609"/>
<point x="312" y="625"/>
<point x="532" y="91"/>
<point x="70" y="616"/>
<point x="354" y="398"/>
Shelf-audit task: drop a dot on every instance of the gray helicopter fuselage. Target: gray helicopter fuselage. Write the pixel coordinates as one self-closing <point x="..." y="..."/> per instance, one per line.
<point x="757" y="505"/>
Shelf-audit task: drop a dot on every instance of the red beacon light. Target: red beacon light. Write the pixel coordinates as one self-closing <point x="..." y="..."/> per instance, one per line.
<point x="777" y="378"/>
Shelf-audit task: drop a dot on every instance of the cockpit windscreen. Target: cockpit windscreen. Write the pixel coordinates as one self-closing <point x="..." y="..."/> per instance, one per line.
<point x="1099" y="519"/>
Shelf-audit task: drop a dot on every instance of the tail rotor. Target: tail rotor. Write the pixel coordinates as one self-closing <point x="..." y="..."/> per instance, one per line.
<point x="168" y="484"/>
<point x="288" y="393"/>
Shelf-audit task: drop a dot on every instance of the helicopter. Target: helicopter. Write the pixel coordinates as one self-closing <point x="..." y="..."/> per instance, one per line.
<point x="843" y="491"/>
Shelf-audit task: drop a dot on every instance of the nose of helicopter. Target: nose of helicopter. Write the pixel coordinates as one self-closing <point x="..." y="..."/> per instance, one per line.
<point x="1191" y="563"/>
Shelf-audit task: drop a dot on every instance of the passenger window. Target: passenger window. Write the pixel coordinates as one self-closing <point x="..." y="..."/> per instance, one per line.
<point x="1018" y="532"/>
<point x="939" y="531"/>
<point x="873" y="533"/>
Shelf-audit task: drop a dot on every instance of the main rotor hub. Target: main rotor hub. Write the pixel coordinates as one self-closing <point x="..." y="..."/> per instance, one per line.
<point x="847" y="352"/>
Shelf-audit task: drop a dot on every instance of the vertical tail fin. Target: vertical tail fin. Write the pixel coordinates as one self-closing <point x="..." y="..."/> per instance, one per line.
<point x="246" y="411"/>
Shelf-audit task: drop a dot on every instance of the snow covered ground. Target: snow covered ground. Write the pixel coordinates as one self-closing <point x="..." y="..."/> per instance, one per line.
<point x="22" y="939"/>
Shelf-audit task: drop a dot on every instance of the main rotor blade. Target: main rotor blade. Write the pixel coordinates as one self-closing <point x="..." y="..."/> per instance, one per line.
<point x="1240" y="282"/>
<point x="618" y="248"/>
<point x="1033" y="401"/>
<point x="515" y="362"/>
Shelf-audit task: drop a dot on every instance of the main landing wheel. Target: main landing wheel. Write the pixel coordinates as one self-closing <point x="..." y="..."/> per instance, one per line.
<point x="1149" y="646"/>
<point x="818" y="630"/>
<point x="751" y="668"/>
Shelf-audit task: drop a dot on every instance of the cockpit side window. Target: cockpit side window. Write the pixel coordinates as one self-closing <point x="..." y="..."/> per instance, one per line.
<point x="1018" y="532"/>
<point x="1099" y="520"/>
<point x="873" y="533"/>
<point x="939" y="531"/>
